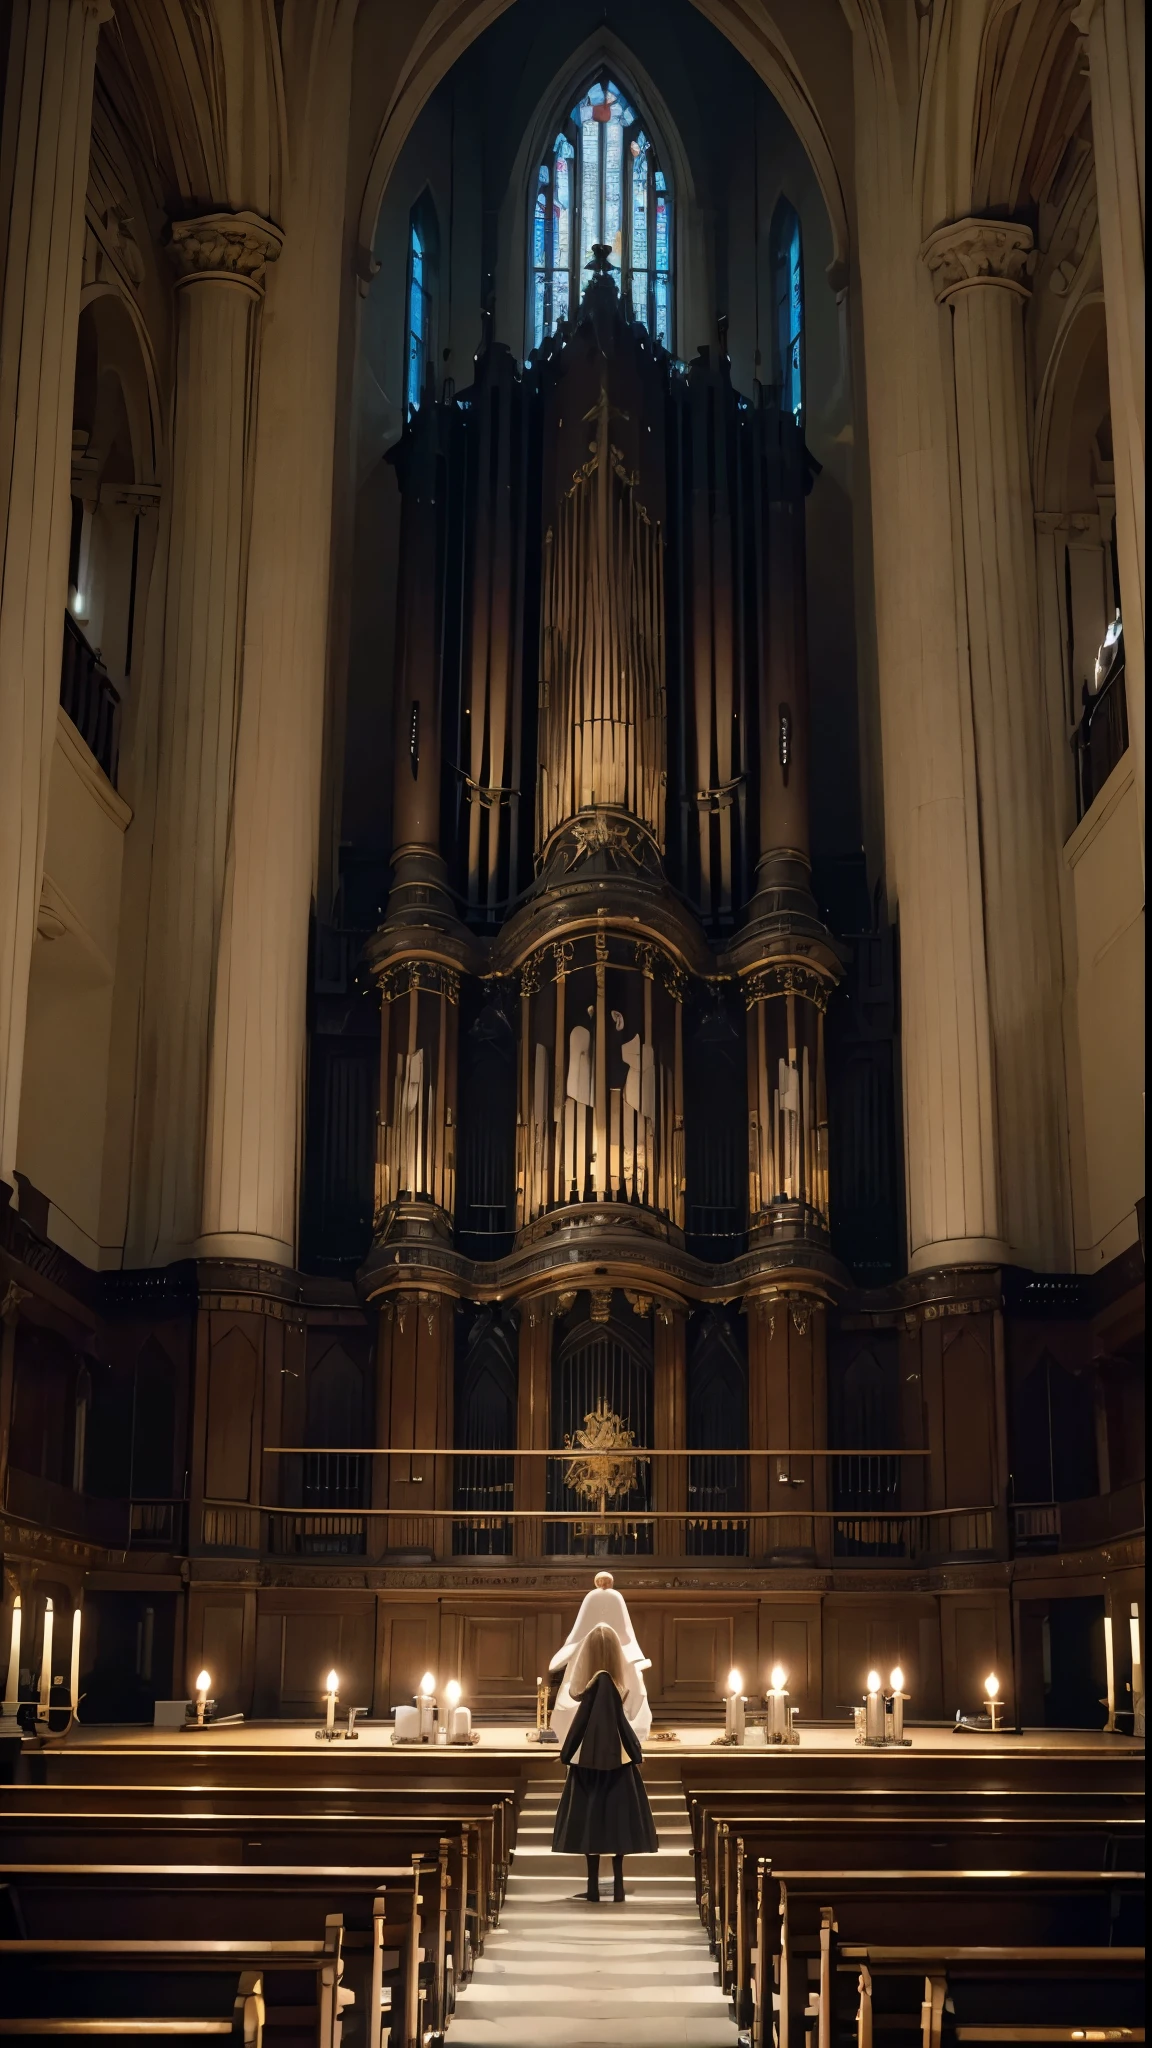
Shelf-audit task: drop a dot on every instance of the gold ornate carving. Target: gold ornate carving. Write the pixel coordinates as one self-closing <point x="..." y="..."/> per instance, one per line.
<point x="609" y="1475"/>
<point x="790" y="978"/>
<point x="428" y="975"/>
<point x="601" y="1300"/>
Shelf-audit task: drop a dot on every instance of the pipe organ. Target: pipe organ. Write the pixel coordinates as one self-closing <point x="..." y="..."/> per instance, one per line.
<point x="600" y="806"/>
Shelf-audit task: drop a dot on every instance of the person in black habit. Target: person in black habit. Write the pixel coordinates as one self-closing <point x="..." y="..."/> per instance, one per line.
<point x="604" y="1807"/>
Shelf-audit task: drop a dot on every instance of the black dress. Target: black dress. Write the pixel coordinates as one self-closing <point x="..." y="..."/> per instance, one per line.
<point x="603" y="1808"/>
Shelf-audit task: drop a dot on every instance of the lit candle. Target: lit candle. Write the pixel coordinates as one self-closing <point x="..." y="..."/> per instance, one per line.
<point x="459" y="1718"/>
<point x="995" y="1704"/>
<point x="896" y="1680"/>
<point x="734" y="1708"/>
<point x="46" y="1666"/>
<point x="74" y="1678"/>
<point x="203" y="1686"/>
<point x="426" y="1703"/>
<point x="1137" y="1661"/>
<point x="331" y="1697"/>
<point x="778" y="1728"/>
<point x="12" y="1688"/>
<point x="874" y="1710"/>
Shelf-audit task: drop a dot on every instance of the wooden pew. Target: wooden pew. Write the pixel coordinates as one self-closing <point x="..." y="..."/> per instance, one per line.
<point x="225" y="1988"/>
<point x="394" y="1919"/>
<point x="990" y="1993"/>
<point x="736" y="1841"/>
<point x="799" y="1913"/>
<point x="269" y="1837"/>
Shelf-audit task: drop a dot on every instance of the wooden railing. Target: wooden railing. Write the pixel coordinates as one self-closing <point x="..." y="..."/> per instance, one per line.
<point x="89" y="698"/>
<point x="1100" y="738"/>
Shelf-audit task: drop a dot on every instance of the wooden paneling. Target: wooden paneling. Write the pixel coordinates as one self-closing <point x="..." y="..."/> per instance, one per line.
<point x="790" y="1635"/>
<point x="299" y="1642"/>
<point x="975" y="1638"/>
<point x="863" y="1633"/>
<point x="221" y="1633"/>
<point x="409" y="1646"/>
<point x="231" y="1405"/>
<point x="969" y="1419"/>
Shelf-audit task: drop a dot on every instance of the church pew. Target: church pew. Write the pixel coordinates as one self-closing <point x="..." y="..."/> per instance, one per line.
<point x="266" y="1835"/>
<point x="734" y="1839"/>
<point x="167" y="1902"/>
<point x="264" y="1994"/>
<point x="800" y="1912"/>
<point x="991" y="1993"/>
<point x="492" y="1806"/>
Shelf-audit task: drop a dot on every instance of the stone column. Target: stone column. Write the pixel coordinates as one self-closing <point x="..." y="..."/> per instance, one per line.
<point x="221" y="258"/>
<point x="979" y="269"/>
<point x="256" y="1079"/>
<point x="930" y="806"/>
<point x="1115" y="35"/>
<point x="47" y="125"/>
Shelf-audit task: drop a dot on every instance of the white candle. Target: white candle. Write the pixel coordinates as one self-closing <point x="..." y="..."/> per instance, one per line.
<point x="459" y="1718"/>
<point x="12" y="1688"/>
<point x="734" y="1708"/>
<point x="46" y="1666"/>
<point x="203" y="1683"/>
<point x="1137" y="1661"/>
<point x="896" y="1680"/>
<point x="874" y="1710"/>
<point x="426" y="1705"/>
<point x="1109" y="1676"/>
<point x="331" y="1697"/>
<point x="995" y="1705"/>
<point x="778" y="1728"/>
<point x="74" y="1678"/>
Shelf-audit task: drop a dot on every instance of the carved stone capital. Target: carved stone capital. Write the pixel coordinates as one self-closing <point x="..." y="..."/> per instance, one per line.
<point x="237" y="247"/>
<point x="980" y="252"/>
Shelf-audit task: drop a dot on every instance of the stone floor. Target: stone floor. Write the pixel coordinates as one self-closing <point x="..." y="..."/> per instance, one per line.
<point x="560" y="1974"/>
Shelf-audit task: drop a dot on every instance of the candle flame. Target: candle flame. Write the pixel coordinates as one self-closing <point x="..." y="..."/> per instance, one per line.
<point x="873" y="1681"/>
<point x="991" y="1685"/>
<point x="333" y="1682"/>
<point x="203" y="1681"/>
<point x="778" y="1676"/>
<point x="428" y="1683"/>
<point x="896" y="1679"/>
<point x="452" y="1692"/>
<point x="735" y="1682"/>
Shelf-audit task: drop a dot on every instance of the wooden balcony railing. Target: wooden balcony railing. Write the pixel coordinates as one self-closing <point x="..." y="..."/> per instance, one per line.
<point x="89" y="698"/>
<point x="1101" y="737"/>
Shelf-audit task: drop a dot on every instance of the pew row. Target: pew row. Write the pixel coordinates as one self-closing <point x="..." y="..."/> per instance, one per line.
<point x="1036" y="1995"/>
<point x="799" y="1913"/>
<point x="393" y="1923"/>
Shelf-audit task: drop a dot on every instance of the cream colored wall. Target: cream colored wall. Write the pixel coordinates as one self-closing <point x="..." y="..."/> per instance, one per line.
<point x="1106" y="1005"/>
<point x="63" y="1102"/>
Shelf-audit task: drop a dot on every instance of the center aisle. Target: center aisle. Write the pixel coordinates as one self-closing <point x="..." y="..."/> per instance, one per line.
<point x="560" y="1974"/>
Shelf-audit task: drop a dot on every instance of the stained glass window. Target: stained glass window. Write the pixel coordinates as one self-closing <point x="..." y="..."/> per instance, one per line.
<point x="600" y="183"/>
<point x="422" y="259"/>
<point x="788" y="307"/>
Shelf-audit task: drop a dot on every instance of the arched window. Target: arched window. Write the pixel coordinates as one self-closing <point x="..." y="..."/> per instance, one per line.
<point x="423" y="265"/>
<point x="788" y="307"/>
<point x="601" y="182"/>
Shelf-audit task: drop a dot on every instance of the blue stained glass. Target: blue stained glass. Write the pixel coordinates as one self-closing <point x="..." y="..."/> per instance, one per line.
<point x="539" y="225"/>
<point x="589" y="187"/>
<point x="561" y="214"/>
<point x="662" y="322"/>
<point x="661" y="231"/>
<point x="537" y="309"/>
<point x="613" y="189"/>
<point x="417" y="319"/>
<point x="543" y="178"/>
<point x="640" y="227"/>
<point x="561" y="285"/>
<point x="660" y="184"/>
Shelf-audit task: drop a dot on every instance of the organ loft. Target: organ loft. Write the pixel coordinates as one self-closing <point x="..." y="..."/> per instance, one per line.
<point x="571" y="859"/>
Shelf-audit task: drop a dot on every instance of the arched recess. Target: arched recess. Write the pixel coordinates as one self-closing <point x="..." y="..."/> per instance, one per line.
<point x="601" y="1362"/>
<point x="1076" y="539"/>
<point x="485" y="1427"/>
<point x="452" y="25"/>
<point x="604" y="50"/>
<point x="717" y="1418"/>
<point x="116" y="455"/>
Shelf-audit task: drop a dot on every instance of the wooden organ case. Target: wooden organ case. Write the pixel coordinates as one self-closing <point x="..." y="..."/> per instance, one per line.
<point x="604" y="979"/>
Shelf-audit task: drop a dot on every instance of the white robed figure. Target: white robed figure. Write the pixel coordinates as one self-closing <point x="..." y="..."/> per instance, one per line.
<point x="604" y="1606"/>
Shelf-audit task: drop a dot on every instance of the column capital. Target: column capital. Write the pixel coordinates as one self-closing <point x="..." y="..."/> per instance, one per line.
<point x="979" y="252"/>
<point x="236" y="247"/>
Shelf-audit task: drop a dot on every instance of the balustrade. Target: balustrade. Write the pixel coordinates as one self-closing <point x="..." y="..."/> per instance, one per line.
<point x="89" y="698"/>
